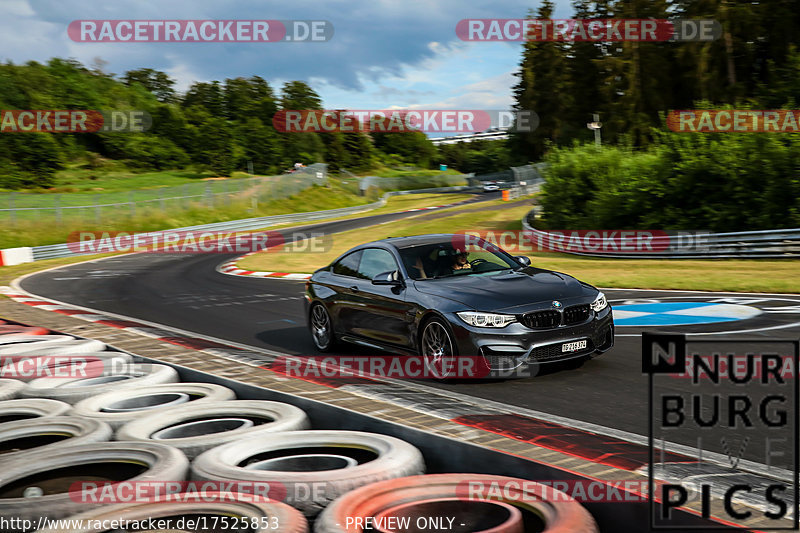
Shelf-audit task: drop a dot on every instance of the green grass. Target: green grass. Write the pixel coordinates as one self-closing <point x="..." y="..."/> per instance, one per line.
<point x="724" y="275"/>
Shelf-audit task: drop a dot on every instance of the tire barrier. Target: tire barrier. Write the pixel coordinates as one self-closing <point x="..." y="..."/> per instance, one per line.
<point x="10" y="389"/>
<point x="12" y="410"/>
<point x="195" y="428"/>
<point x="73" y="390"/>
<point x="117" y="408"/>
<point x="57" y="435"/>
<point x="449" y="495"/>
<point x="311" y="471"/>
<point x="39" y="484"/>
<point x="273" y="516"/>
<point x="49" y="433"/>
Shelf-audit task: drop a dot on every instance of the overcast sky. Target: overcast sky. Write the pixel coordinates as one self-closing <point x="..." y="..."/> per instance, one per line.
<point x="384" y="54"/>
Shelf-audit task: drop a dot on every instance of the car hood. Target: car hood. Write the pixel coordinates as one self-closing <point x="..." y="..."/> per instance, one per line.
<point x="511" y="292"/>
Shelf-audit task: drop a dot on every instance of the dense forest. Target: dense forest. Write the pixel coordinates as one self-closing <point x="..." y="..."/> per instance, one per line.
<point x="645" y="176"/>
<point x="220" y="126"/>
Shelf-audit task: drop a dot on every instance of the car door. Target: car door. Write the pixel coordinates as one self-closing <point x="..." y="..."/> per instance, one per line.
<point x="346" y="301"/>
<point x="382" y="313"/>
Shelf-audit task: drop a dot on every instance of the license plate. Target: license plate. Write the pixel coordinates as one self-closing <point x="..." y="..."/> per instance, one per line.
<point x="573" y="346"/>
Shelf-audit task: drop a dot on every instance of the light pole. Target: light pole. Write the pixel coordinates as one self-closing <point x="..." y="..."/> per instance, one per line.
<point x="595" y="125"/>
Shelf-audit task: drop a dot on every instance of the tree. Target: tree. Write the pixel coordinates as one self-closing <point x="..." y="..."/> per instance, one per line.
<point x="155" y="81"/>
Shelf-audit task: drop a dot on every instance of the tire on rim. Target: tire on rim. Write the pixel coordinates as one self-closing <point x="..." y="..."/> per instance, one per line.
<point x="117" y="408"/>
<point x="438" y="348"/>
<point x="270" y="516"/>
<point x="48" y="433"/>
<point x="12" y="410"/>
<point x="450" y="494"/>
<point x="73" y="390"/>
<point x="48" y="476"/>
<point x="321" y="326"/>
<point x="291" y="461"/>
<point x="194" y="428"/>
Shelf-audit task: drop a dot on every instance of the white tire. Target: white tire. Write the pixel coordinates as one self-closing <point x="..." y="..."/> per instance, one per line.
<point x="378" y="457"/>
<point x="57" y="347"/>
<point x="272" y="516"/>
<point x="117" y="408"/>
<point x="194" y="428"/>
<point x="73" y="390"/>
<point x="139" y="462"/>
<point x="48" y="433"/>
<point x="34" y="365"/>
<point x="10" y="389"/>
<point x="12" y="410"/>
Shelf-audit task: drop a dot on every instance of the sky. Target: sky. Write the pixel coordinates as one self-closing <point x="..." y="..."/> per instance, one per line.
<point x="384" y="54"/>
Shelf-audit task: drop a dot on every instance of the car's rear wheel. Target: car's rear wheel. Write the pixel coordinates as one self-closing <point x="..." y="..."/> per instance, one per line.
<point x="438" y="349"/>
<point x="321" y="326"/>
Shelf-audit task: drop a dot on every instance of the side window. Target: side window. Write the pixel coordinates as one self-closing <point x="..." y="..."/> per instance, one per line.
<point x="348" y="265"/>
<point x="374" y="261"/>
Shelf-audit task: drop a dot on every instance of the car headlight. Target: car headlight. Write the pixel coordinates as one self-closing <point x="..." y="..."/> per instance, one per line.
<point x="486" y="320"/>
<point x="599" y="303"/>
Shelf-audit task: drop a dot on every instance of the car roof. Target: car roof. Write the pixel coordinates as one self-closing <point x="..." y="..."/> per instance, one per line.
<point x="418" y="240"/>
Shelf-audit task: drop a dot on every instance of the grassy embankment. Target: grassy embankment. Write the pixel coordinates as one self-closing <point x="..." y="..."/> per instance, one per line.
<point x="723" y="275"/>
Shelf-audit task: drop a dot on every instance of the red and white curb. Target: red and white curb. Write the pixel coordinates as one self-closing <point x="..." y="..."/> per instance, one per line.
<point x="232" y="269"/>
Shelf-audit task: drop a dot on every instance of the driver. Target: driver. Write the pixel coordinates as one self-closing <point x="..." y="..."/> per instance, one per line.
<point x="460" y="260"/>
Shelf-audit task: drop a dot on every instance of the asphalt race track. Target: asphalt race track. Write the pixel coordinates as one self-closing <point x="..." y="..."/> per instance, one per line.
<point x="186" y="292"/>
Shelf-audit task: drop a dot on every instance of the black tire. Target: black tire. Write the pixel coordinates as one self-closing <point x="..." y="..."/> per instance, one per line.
<point x="117" y="408"/>
<point x="380" y="457"/>
<point x="150" y="462"/>
<point x="433" y="332"/>
<point x="283" y="416"/>
<point x="322" y="336"/>
<point x="26" y="436"/>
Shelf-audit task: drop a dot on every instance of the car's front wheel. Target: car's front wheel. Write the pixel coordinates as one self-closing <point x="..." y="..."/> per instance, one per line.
<point x="438" y="349"/>
<point x="321" y="326"/>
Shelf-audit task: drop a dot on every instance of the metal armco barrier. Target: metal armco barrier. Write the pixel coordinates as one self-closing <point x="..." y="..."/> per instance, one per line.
<point x="53" y="251"/>
<point x="775" y="244"/>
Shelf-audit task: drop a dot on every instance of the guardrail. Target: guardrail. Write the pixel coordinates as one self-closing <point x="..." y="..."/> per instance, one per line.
<point x="766" y="244"/>
<point x="53" y="251"/>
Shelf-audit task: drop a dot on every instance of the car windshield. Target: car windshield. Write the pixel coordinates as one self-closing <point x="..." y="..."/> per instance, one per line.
<point x="458" y="257"/>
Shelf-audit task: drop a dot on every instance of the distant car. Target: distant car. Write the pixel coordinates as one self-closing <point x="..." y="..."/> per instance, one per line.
<point x="407" y="294"/>
<point x="491" y="186"/>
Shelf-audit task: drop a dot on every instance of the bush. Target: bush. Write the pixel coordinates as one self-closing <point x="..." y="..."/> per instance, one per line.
<point x="717" y="182"/>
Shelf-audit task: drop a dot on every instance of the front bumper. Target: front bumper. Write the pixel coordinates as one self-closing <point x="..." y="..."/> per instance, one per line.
<point x="516" y="345"/>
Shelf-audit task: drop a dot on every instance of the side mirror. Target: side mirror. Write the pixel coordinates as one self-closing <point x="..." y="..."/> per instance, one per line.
<point x="387" y="278"/>
<point x="523" y="260"/>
